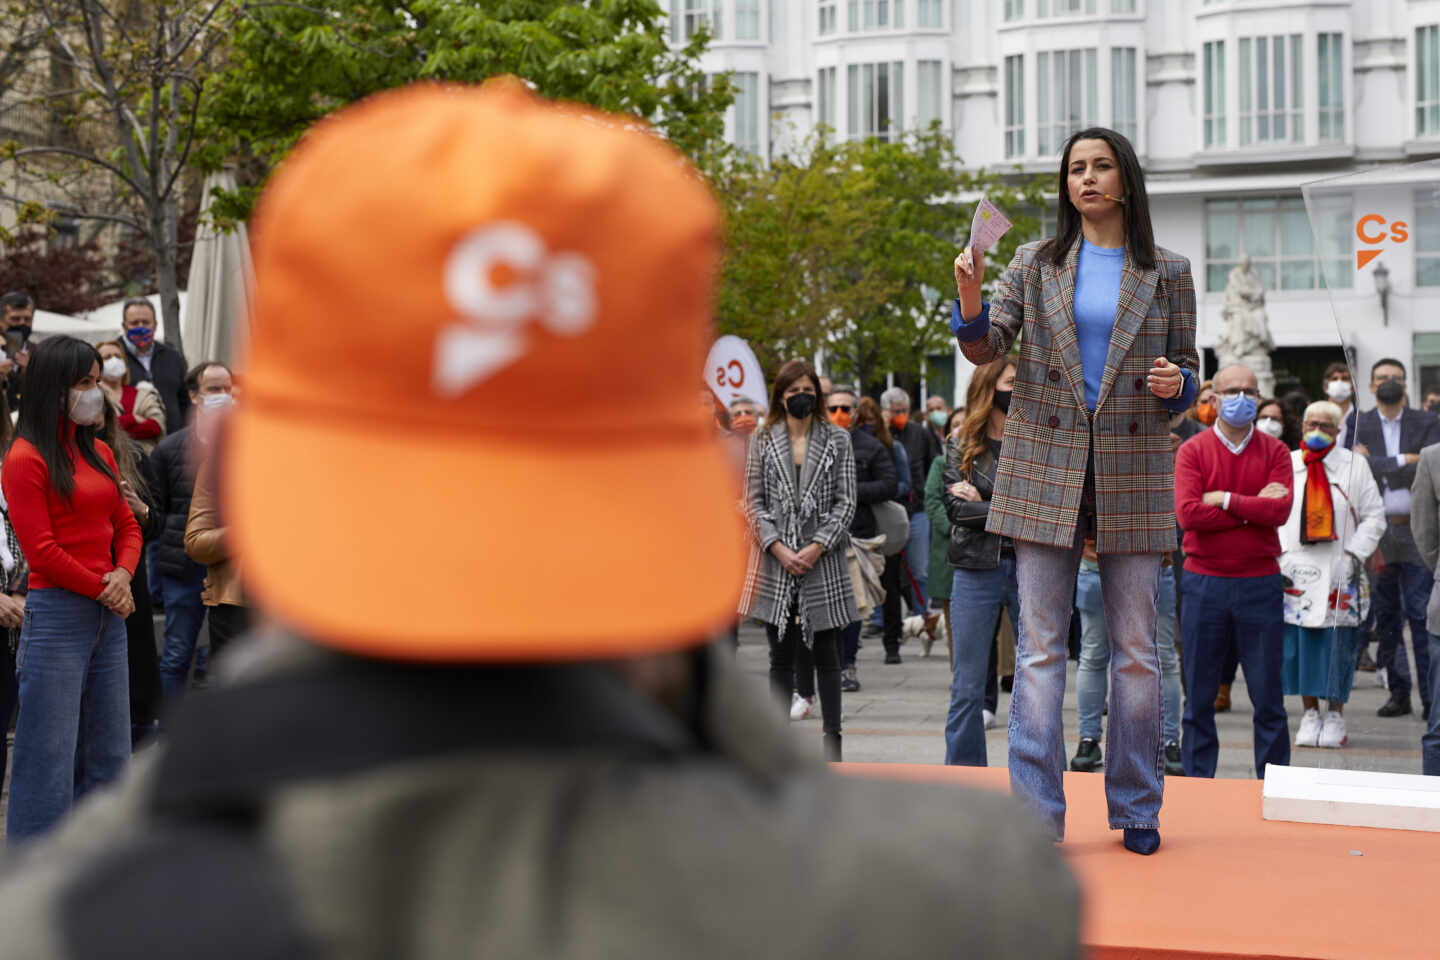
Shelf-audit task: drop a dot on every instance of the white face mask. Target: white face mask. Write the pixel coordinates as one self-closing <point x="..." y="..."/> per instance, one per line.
<point x="87" y="407"/>
<point x="1338" y="390"/>
<point x="113" y="368"/>
<point x="1271" y="426"/>
<point x="217" y="401"/>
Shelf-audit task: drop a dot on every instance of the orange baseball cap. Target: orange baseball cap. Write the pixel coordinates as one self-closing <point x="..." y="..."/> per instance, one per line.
<point x="469" y="429"/>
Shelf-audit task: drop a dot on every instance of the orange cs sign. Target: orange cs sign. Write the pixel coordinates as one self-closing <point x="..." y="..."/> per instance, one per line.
<point x="1373" y="229"/>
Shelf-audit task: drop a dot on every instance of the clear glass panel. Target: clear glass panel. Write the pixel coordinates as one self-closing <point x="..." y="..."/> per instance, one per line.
<point x="1427" y="222"/>
<point x="1297" y="274"/>
<point x="1427" y="271"/>
<point x="1295" y="235"/>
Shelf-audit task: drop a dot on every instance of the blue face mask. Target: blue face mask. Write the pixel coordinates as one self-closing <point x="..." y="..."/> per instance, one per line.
<point x="1239" y="410"/>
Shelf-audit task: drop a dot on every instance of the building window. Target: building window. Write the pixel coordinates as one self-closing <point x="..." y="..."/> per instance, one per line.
<point x="1014" y="9"/>
<point x="747" y="112"/>
<point x="929" y="93"/>
<point x="875" y="14"/>
<point x="1270" y="100"/>
<point x="1015" y="106"/>
<point x="1329" y="60"/>
<point x="1122" y="91"/>
<point x="1215" y="94"/>
<point x="747" y="19"/>
<point x="1427" y="238"/>
<point x="1275" y="233"/>
<point x="827" y="97"/>
<point x="928" y="14"/>
<point x="827" y="17"/>
<point x="875" y="100"/>
<point x="688" y="16"/>
<point x="1063" y="8"/>
<point x="1427" y="81"/>
<point x="1122" y="6"/>
<point x="1067" y="94"/>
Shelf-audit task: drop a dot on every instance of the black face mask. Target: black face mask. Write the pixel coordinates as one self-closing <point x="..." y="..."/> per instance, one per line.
<point x="1002" y="400"/>
<point x="1391" y="391"/>
<point x="1434" y="408"/>
<point x="801" y="405"/>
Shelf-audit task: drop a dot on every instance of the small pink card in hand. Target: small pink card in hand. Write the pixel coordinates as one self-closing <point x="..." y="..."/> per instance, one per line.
<point x="988" y="226"/>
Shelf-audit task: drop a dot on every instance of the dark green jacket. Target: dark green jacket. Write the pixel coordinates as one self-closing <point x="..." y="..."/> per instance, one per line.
<point x="940" y="572"/>
<point x="326" y="806"/>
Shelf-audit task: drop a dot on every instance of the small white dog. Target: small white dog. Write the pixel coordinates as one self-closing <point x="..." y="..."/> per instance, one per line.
<point x="921" y="628"/>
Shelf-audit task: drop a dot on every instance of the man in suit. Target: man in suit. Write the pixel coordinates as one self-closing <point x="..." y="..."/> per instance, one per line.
<point x="1391" y="437"/>
<point x="1425" y="524"/>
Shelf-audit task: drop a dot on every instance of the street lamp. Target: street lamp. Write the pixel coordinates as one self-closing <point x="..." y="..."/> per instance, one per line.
<point x="1382" y="287"/>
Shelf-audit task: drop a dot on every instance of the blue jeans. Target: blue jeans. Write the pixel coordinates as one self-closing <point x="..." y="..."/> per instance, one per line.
<point x="184" y="614"/>
<point x="917" y="555"/>
<point x="1092" y="678"/>
<point x="73" y="733"/>
<point x="1249" y="613"/>
<point x="976" y="597"/>
<point x="1430" y="740"/>
<point x="1402" y="591"/>
<point x="1134" y="775"/>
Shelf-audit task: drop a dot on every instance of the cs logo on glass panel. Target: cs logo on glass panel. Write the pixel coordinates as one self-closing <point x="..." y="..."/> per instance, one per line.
<point x="1374" y="230"/>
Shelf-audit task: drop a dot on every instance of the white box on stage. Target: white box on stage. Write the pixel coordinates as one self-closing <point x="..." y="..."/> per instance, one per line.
<point x="1352" y="798"/>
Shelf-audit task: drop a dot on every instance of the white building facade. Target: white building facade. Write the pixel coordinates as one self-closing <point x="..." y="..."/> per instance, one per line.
<point x="1232" y="106"/>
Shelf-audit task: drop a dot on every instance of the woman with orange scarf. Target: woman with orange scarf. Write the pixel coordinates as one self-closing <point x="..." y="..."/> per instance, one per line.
<point x="1335" y="524"/>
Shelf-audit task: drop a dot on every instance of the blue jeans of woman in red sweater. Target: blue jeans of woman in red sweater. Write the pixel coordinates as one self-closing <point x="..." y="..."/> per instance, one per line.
<point x="73" y="732"/>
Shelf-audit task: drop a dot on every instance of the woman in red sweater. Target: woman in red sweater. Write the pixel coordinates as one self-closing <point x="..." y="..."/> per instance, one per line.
<point x="81" y="540"/>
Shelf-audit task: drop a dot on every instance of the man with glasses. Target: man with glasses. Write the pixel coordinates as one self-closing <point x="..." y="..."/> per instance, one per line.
<point x="1391" y="437"/>
<point x="1233" y="490"/>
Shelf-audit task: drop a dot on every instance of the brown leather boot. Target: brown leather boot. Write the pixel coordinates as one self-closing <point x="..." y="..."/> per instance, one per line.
<point x="1222" y="699"/>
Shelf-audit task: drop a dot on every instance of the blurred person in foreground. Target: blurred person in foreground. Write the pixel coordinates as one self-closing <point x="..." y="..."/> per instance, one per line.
<point x="82" y="542"/>
<point x="452" y="766"/>
<point x="1335" y="523"/>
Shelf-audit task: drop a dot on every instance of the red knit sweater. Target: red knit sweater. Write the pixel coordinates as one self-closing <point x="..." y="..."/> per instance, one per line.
<point x="1241" y="541"/>
<point x="69" y="545"/>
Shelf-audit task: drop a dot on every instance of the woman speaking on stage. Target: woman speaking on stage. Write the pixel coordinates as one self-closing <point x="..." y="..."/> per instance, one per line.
<point x="1106" y="324"/>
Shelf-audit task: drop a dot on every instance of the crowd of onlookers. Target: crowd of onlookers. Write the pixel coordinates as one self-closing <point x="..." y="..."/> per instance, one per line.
<point x="110" y="514"/>
<point x="1302" y="544"/>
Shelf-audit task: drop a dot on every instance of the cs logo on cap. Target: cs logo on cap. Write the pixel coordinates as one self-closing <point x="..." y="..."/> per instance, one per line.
<point x="556" y="289"/>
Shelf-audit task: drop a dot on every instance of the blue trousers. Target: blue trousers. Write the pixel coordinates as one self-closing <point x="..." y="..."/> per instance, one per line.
<point x="73" y="732"/>
<point x="1402" y="591"/>
<point x="1249" y="613"/>
<point x="184" y="615"/>
<point x="917" y="555"/>
<point x="976" y="598"/>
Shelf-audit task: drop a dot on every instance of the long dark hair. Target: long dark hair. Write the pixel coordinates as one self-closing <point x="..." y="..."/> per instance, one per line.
<point x="56" y="365"/>
<point x="1139" y="235"/>
<point x="794" y="370"/>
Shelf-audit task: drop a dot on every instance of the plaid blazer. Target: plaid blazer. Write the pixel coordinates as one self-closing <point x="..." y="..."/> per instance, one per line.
<point x="821" y="514"/>
<point x="1049" y="434"/>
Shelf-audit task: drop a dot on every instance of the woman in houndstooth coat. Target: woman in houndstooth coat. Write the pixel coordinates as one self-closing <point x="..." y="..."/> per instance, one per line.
<point x="799" y="501"/>
<point x="1106" y="325"/>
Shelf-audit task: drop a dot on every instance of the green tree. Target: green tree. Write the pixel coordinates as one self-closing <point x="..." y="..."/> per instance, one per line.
<point x="847" y="246"/>
<point x="287" y="65"/>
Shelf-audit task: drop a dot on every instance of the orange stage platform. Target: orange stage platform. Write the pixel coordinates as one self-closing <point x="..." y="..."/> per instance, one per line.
<point x="1226" y="883"/>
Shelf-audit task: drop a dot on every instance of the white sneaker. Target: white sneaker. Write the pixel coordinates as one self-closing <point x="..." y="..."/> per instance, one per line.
<point x="1309" y="733"/>
<point x="1332" y="734"/>
<point x="800" y="706"/>
<point x="989" y="719"/>
<point x="1382" y="678"/>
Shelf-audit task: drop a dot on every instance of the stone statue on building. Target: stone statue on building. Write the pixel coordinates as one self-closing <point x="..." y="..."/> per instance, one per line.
<point x="1246" y="338"/>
